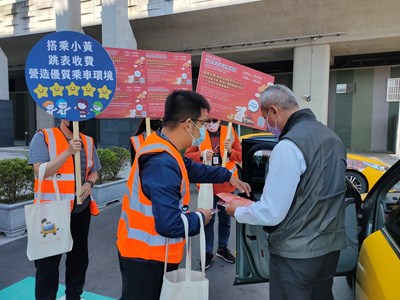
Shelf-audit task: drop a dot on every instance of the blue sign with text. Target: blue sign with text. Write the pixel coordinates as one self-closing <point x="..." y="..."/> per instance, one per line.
<point x="70" y="76"/>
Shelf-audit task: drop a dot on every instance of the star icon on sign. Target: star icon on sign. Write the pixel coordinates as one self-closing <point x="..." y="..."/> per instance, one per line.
<point x="41" y="91"/>
<point x="104" y="92"/>
<point x="73" y="89"/>
<point x="88" y="90"/>
<point x="57" y="89"/>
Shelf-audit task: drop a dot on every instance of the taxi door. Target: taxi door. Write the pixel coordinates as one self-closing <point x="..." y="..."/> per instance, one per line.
<point x="252" y="257"/>
<point x="378" y="269"/>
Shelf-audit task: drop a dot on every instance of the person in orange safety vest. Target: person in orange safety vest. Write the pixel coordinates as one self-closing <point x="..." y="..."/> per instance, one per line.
<point x="140" y="135"/>
<point x="56" y="146"/>
<point x="212" y="149"/>
<point x="158" y="192"/>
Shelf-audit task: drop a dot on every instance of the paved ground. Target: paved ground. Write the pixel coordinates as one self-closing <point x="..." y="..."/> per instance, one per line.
<point x="103" y="277"/>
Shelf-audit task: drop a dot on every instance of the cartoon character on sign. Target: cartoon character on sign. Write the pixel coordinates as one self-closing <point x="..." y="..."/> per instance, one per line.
<point x="240" y="113"/>
<point x="49" y="106"/>
<point x="97" y="107"/>
<point x="62" y="108"/>
<point x="82" y="106"/>
<point x="262" y="89"/>
<point x="141" y="96"/>
<point x="48" y="227"/>
<point x="132" y="113"/>
<point x="139" y="62"/>
<point x="186" y="65"/>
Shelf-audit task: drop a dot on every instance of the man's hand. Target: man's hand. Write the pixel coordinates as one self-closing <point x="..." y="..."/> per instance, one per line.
<point x="208" y="153"/>
<point x="75" y="145"/>
<point x="228" y="145"/>
<point x="207" y="215"/>
<point x="243" y="187"/>
<point x="231" y="208"/>
<point x="86" y="189"/>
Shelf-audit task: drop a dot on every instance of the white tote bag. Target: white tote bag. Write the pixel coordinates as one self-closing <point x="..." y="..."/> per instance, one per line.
<point x="48" y="224"/>
<point x="205" y="198"/>
<point x="185" y="284"/>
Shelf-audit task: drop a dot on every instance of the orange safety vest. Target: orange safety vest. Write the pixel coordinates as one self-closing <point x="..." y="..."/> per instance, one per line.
<point x="56" y="144"/>
<point x="230" y="164"/>
<point x="137" y="235"/>
<point x="137" y="141"/>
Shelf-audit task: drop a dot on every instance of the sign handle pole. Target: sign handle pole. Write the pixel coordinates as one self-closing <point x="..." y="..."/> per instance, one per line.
<point x="225" y="155"/>
<point x="398" y="135"/>
<point x="148" y="128"/>
<point x="77" y="161"/>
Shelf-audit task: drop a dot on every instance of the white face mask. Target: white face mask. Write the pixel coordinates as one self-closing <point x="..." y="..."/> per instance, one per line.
<point x="213" y="127"/>
<point x="274" y="130"/>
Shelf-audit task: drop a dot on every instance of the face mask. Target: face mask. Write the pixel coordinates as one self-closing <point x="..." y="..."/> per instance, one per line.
<point x="213" y="127"/>
<point x="274" y="130"/>
<point x="197" y="141"/>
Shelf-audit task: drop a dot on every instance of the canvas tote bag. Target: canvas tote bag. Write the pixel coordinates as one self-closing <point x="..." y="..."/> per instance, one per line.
<point x="48" y="224"/>
<point x="205" y="198"/>
<point x="185" y="284"/>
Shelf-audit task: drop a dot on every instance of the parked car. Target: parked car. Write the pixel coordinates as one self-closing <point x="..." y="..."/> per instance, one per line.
<point x="371" y="260"/>
<point x="363" y="172"/>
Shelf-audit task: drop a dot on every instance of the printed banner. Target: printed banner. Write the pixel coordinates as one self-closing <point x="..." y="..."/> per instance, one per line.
<point x="233" y="90"/>
<point x="70" y="76"/>
<point x="144" y="80"/>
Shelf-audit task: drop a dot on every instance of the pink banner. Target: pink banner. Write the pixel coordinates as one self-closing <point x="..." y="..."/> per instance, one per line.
<point x="144" y="80"/>
<point x="233" y="90"/>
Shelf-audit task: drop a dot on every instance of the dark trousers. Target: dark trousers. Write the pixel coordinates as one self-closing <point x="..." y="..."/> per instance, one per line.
<point x="142" y="279"/>
<point x="47" y="273"/>
<point x="224" y="228"/>
<point x="302" y="279"/>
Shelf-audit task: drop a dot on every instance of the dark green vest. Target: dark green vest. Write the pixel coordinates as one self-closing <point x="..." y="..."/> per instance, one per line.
<point x="314" y="225"/>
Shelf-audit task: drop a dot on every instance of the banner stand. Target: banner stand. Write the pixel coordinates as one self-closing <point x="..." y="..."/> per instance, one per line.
<point x="77" y="161"/>
<point x="225" y="155"/>
<point x="148" y="128"/>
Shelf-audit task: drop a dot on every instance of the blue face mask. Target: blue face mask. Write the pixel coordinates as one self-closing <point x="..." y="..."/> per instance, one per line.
<point x="197" y="141"/>
<point x="274" y="130"/>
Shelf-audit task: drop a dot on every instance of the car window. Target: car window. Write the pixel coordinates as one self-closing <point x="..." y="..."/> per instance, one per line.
<point x="392" y="222"/>
<point x="387" y="209"/>
<point x="258" y="171"/>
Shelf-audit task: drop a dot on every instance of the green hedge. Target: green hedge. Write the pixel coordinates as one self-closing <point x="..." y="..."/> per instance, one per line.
<point x="112" y="161"/>
<point x="16" y="180"/>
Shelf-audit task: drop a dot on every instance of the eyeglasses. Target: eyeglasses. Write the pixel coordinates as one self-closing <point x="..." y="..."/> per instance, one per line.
<point x="202" y="122"/>
<point x="212" y="120"/>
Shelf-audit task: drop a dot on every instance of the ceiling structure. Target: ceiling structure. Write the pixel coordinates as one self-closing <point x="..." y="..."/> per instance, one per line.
<point x="258" y="32"/>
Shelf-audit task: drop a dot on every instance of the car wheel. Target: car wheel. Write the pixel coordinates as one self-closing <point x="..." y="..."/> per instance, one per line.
<point x="358" y="181"/>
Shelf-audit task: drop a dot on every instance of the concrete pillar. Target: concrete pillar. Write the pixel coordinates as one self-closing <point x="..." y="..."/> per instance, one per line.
<point x="116" y="32"/>
<point x="4" y="91"/>
<point x="311" y="67"/>
<point x="6" y="106"/>
<point x="68" y="17"/>
<point x="116" y="29"/>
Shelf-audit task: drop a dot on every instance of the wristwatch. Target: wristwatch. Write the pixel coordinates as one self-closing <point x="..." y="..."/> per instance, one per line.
<point x="90" y="182"/>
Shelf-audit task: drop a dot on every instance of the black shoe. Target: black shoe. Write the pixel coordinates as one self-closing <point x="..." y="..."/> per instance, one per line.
<point x="209" y="259"/>
<point x="226" y="255"/>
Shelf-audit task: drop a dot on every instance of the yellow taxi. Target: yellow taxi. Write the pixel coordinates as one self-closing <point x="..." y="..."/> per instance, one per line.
<point x="371" y="261"/>
<point x="363" y="172"/>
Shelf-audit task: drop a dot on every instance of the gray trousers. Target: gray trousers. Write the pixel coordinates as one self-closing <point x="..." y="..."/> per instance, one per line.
<point x="302" y="279"/>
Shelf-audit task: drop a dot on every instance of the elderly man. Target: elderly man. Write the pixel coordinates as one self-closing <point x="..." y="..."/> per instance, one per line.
<point x="302" y="204"/>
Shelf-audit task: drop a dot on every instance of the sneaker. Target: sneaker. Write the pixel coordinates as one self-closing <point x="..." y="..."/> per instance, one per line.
<point x="63" y="298"/>
<point x="209" y="259"/>
<point x="226" y="255"/>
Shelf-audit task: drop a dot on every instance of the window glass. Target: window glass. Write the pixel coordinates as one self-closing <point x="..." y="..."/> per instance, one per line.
<point x="393" y="212"/>
<point x="258" y="171"/>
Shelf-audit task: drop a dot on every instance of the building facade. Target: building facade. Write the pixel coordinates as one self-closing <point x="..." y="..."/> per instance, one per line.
<point x="336" y="55"/>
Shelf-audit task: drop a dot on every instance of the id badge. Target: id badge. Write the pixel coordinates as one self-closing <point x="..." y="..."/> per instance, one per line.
<point x="215" y="159"/>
